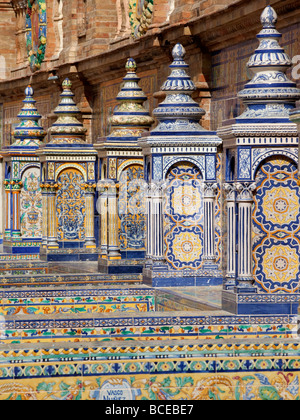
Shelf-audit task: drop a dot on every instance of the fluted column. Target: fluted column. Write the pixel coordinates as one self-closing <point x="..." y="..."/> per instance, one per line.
<point x="104" y="225"/>
<point x="44" y="215"/>
<point x="52" y="223"/>
<point x="209" y="251"/>
<point x="7" y="232"/>
<point x="112" y="207"/>
<point x="149" y="219"/>
<point x="156" y="222"/>
<point x="102" y="210"/>
<point x="90" y="241"/>
<point x="230" y="198"/>
<point x="16" y="186"/>
<point x="245" y="278"/>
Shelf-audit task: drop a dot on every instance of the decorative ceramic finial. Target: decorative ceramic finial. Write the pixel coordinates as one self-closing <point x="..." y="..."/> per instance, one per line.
<point x="179" y="114"/>
<point x="28" y="133"/>
<point x="179" y="80"/>
<point x="29" y="91"/>
<point x="67" y="129"/>
<point x="269" y="18"/>
<point x="67" y="84"/>
<point x="179" y="52"/>
<point x="131" y="65"/>
<point x="130" y="118"/>
<point x="270" y="95"/>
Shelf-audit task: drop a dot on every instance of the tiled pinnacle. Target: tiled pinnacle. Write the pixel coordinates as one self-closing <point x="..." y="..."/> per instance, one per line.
<point x="270" y="95"/>
<point x="130" y="118"/>
<point x="28" y="133"/>
<point x="178" y="114"/>
<point x="67" y="129"/>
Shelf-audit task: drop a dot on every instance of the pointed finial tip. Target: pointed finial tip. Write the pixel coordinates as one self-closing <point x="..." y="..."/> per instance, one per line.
<point x="178" y="52"/>
<point x="131" y="65"/>
<point x="269" y="17"/>
<point x="67" y="84"/>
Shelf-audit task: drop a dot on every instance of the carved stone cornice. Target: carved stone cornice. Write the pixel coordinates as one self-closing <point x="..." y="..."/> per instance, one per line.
<point x="239" y="22"/>
<point x="257" y="130"/>
<point x="6" y="5"/>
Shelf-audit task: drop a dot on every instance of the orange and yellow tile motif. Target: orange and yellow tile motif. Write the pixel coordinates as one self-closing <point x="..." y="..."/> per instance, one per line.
<point x="276" y="222"/>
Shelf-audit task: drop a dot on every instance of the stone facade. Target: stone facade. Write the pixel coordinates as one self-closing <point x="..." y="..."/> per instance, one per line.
<point x="79" y="32"/>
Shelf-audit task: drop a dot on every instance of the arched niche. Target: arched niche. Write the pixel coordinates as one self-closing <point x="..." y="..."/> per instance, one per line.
<point x="132" y="208"/>
<point x="183" y="216"/>
<point x="70" y="206"/>
<point x="31" y="203"/>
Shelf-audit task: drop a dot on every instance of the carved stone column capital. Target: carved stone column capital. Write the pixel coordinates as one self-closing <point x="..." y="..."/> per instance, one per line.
<point x="157" y="189"/>
<point x="210" y="189"/>
<point x="230" y="191"/>
<point x="245" y="190"/>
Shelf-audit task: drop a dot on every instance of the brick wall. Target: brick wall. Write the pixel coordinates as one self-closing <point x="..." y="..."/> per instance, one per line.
<point x="82" y="44"/>
<point x="8" y="39"/>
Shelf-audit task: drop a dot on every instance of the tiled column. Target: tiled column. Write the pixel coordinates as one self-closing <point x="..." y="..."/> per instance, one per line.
<point x="112" y="207"/>
<point x="245" y="278"/>
<point x="90" y="216"/>
<point x="7" y="232"/>
<point x="230" y="193"/>
<point x="16" y="186"/>
<point x="209" y="253"/>
<point x="52" y="227"/>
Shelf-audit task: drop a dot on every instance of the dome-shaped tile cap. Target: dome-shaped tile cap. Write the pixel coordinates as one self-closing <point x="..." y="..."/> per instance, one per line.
<point x="269" y="17"/>
<point x="29" y="91"/>
<point x="67" y="84"/>
<point x="178" y="52"/>
<point x="131" y="65"/>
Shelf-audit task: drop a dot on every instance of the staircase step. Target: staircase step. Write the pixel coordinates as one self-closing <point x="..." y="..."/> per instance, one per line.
<point x="137" y="326"/>
<point x="19" y="257"/>
<point x="69" y="280"/>
<point x="77" y="300"/>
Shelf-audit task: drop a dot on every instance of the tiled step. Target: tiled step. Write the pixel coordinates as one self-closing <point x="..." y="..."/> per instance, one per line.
<point x="76" y="300"/>
<point x="68" y="280"/>
<point x="94" y="298"/>
<point x="22" y="264"/>
<point x="150" y="326"/>
<point x="18" y="257"/>
<point x="160" y="370"/>
<point x="160" y="349"/>
<point x="17" y="268"/>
